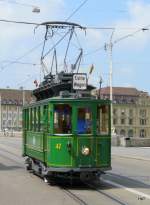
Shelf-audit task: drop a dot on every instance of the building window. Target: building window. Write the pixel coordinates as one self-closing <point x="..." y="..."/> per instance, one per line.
<point x="123" y="112"/>
<point x="9" y="115"/>
<point x="114" y="111"/>
<point x="4" y="123"/>
<point x="123" y="121"/>
<point x="142" y="121"/>
<point x="114" y="121"/>
<point x="130" y="133"/>
<point x="122" y="132"/>
<point x="130" y="121"/>
<point x="9" y="123"/>
<point x="116" y="131"/>
<point x="143" y="113"/>
<point x="142" y="133"/>
<point x="4" y="115"/>
<point x="130" y="112"/>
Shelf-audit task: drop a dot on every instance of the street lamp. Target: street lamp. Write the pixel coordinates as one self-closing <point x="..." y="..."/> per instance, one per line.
<point x="36" y="10"/>
<point x="100" y="86"/>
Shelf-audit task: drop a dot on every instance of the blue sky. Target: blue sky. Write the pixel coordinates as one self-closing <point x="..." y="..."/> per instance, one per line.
<point x="130" y="56"/>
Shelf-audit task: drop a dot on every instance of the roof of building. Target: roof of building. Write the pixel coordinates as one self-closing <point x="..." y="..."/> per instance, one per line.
<point x="126" y="91"/>
<point x="15" y="97"/>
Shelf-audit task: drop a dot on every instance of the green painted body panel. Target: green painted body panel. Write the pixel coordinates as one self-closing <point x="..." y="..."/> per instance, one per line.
<point x="34" y="145"/>
<point x="35" y="154"/>
<point x="86" y="161"/>
<point x="103" y="151"/>
<point x="53" y="149"/>
<point x="58" y="154"/>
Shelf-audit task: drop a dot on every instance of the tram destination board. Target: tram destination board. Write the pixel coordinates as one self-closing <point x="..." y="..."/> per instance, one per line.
<point x="79" y="81"/>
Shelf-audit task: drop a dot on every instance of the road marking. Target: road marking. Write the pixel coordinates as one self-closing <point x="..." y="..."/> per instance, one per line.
<point x="127" y="189"/>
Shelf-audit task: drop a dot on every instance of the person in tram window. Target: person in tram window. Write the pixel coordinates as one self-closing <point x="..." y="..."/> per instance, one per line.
<point x="81" y="123"/>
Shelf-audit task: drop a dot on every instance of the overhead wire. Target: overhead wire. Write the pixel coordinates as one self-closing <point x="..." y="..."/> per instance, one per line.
<point x="86" y="26"/>
<point x="37" y="24"/>
<point x="19" y="62"/>
<point x="24" y="55"/>
<point x="19" y="22"/>
<point x="27" y="79"/>
<point x="76" y="10"/>
<point x="18" y="3"/>
<point x="145" y="28"/>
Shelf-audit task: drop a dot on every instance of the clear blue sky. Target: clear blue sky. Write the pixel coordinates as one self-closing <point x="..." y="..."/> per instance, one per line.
<point x="130" y="56"/>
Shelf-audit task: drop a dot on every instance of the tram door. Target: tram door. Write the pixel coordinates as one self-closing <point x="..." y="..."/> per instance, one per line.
<point x="85" y="139"/>
<point x="103" y="139"/>
<point x="58" y="144"/>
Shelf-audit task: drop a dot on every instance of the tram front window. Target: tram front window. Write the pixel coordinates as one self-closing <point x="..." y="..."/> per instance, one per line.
<point x="62" y="119"/>
<point x="84" y="121"/>
<point x="103" y="119"/>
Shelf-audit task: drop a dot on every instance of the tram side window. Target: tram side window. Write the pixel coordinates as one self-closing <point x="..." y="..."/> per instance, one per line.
<point x="33" y="119"/>
<point x="27" y="119"/>
<point x="62" y="119"/>
<point x="39" y="119"/>
<point x="30" y="119"/>
<point x="24" y="119"/>
<point x="34" y="125"/>
<point x="84" y="121"/>
<point x="45" y="117"/>
<point x="103" y="119"/>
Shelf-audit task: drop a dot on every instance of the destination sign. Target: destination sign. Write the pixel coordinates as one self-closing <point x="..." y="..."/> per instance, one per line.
<point x="80" y="81"/>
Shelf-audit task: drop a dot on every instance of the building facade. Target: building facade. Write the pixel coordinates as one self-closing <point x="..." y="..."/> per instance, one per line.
<point x="11" y="103"/>
<point x="131" y="111"/>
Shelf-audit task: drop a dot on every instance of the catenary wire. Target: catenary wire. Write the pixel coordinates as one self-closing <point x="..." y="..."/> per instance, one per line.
<point x="24" y="55"/>
<point x="18" y="3"/>
<point x="76" y="10"/>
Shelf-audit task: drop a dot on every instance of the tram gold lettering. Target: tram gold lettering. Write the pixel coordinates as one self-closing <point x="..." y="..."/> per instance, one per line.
<point x="58" y="146"/>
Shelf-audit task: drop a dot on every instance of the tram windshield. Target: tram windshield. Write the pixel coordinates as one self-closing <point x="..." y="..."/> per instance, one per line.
<point x="84" y="121"/>
<point x="62" y="119"/>
<point x="103" y="119"/>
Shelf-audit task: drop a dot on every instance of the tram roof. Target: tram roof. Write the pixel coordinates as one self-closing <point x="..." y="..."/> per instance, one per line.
<point x="68" y="99"/>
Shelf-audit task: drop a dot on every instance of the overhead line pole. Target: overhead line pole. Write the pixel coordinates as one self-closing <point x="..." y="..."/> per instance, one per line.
<point x="109" y="47"/>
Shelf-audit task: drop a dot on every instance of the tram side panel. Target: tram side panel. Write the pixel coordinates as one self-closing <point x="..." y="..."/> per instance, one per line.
<point x="41" y="143"/>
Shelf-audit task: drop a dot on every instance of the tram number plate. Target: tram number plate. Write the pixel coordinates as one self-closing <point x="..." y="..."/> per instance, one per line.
<point x="58" y="146"/>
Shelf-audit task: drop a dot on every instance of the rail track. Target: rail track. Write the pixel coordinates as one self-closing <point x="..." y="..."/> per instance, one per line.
<point x="91" y="187"/>
<point x="73" y="194"/>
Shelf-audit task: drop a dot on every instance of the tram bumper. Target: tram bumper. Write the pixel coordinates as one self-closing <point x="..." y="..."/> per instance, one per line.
<point x="76" y="170"/>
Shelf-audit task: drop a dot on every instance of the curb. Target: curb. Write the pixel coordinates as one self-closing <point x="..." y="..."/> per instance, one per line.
<point x="127" y="157"/>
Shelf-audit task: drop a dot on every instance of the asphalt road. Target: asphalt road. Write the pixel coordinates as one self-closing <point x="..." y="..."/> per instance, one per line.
<point x="127" y="183"/>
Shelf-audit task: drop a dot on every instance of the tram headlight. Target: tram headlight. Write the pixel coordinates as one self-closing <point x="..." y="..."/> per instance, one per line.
<point x="85" y="151"/>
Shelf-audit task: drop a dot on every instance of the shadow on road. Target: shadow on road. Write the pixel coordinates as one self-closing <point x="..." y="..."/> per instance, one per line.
<point x="4" y="167"/>
<point x="129" y="181"/>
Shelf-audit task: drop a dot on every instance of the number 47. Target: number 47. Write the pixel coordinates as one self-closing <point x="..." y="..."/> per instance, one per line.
<point x="58" y="146"/>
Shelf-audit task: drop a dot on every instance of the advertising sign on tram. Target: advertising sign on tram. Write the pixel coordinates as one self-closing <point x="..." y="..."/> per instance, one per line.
<point x="80" y="81"/>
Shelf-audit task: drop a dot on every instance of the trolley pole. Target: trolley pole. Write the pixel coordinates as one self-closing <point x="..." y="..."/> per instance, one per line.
<point x="0" y="113"/>
<point x="110" y="83"/>
<point x="109" y="47"/>
<point x="23" y="97"/>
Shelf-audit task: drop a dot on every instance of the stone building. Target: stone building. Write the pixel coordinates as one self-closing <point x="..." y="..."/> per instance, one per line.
<point x="131" y="111"/>
<point x="11" y="103"/>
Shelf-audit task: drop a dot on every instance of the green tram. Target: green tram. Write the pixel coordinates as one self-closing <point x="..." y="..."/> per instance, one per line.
<point x="66" y="136"/>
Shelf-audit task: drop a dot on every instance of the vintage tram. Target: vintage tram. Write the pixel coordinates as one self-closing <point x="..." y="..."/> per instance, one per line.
<point x="66" y="132"/>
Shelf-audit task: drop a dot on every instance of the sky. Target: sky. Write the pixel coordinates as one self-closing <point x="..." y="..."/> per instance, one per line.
<point x="131" y="59"/>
